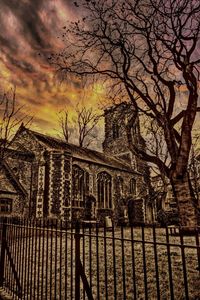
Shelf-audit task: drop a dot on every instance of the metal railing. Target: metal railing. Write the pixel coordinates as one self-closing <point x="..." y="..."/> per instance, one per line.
<point x="51" y="259"/>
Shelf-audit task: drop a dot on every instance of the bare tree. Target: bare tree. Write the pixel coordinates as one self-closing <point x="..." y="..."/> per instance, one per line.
<point x="148" y="51"/>
<point x="84" y="124"/>
<point x="87" y="121"/>
<point x="156" y="146"/>
<point x="10" y="118"/>
<point x="64" y="125"/>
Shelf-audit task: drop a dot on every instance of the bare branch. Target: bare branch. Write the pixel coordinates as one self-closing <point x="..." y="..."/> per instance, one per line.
<point x="87" y="121"/>
<point x="11" y="117"/>
<point x="149" y="48"/>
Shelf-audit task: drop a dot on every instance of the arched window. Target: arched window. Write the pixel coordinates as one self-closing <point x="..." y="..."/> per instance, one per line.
<point x="80" y="186"/>
<point x="104" y="190"/>
<point x="133" y="186"/>
<point x="5" y="206"/>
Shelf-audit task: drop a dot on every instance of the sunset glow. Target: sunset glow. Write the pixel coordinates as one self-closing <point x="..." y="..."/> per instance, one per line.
<point x="30" y="30"/>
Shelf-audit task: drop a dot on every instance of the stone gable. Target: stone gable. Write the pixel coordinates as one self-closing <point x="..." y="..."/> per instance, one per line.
<point x="5" y="183"/>
<point x="24" y="140"/>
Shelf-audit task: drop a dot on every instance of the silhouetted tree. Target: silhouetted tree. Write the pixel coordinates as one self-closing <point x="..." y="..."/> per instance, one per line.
<point x="147" y="51"/>
<point x="64" y="125"/>
<point x="10" y="118"/>
<point x="84" y="124"/>
<point x="87" y="121"/>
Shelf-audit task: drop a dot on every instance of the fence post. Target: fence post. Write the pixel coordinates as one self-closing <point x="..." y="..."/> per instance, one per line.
<point x="79" y="270"/>
<point x="3" y="251"/>
<point x="77" y="261"/>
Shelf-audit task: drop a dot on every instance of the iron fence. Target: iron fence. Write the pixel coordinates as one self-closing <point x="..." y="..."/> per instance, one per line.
<point x="51" y="259"/>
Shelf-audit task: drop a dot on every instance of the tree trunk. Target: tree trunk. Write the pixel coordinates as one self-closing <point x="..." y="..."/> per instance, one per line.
<point x="187" y="206"/>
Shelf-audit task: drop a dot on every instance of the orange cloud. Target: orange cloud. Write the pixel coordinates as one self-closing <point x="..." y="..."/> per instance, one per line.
<point x="30" y="30"/>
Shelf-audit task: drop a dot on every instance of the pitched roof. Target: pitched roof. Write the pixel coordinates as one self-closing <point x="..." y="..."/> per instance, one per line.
<point x="82" y="153"/>
<point x="13" y="179"/>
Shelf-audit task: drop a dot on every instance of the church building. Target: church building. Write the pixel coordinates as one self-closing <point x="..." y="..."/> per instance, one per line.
<point x="45" y="177"/>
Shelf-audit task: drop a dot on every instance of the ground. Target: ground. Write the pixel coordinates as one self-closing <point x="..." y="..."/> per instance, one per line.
<point x="115" y="269"/>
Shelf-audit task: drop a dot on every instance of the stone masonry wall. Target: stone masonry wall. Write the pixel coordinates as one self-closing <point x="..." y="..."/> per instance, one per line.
<point x="59" y="182"/>
<point x="111" y="145"/>
<point x="117" y="198"/>
<point x="21" y="168"/>
<point x="52" y="175"/>
<point x="117" y="145"/>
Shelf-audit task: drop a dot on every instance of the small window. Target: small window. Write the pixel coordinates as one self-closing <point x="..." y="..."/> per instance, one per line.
<point x="115" y="131"/>
<point x="133" y="186"/>
<point x="5" y="205"/>
<point x="173" y="205"/>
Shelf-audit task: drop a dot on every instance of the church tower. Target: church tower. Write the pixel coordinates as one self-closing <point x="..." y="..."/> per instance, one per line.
<point x="116" y="143"/>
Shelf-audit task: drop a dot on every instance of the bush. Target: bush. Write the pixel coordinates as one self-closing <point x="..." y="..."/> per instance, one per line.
<point x="166" y="218"/>
<point x="162" y="218"/>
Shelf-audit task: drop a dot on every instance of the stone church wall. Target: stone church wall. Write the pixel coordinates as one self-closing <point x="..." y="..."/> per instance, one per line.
<point x="118" y="197"/>
<point x="119" y="144"/>
<point x="19" y="206"/>
<point x="9" y="192"/>
<point x="29" y="172"/>
<point x="59" y="183"/>
<point x="47" y="178"/>
<point x="22" y="170"/>
<point x="116" y="144"/>
<point x="25" y="140"/>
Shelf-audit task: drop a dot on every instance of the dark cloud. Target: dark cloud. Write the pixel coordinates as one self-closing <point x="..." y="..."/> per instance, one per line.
<point x="29" y="27"/>
<point x="27" y="14"/>
<point x="21" y="64"/>
<point x="28" y="33"/>
<point x="21" y="26"/>
<point x="8" y="44"/>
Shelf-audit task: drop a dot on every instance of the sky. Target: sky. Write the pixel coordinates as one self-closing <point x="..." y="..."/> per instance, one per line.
<point x="29" y="29"/>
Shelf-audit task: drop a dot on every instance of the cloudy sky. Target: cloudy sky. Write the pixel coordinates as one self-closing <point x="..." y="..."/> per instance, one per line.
<point x="29" y="29"/>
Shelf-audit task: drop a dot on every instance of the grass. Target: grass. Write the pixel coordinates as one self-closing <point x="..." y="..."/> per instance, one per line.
<point x="113" y="273"/>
